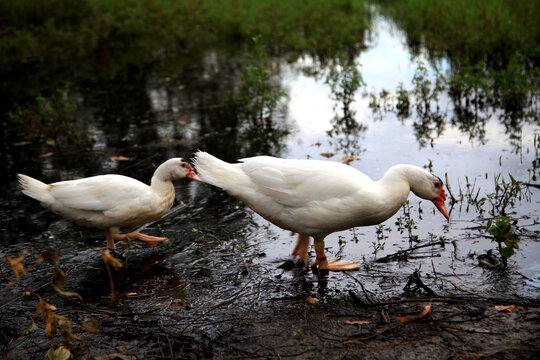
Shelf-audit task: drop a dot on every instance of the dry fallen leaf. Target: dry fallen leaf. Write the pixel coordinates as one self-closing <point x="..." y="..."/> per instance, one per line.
<point x="16" y="266"/>
<point x="21" y="143"/>
<point x="119" y="158"/>
<point x="507" y="308"/>
<point x="347" y="159"/>
<point x="215" y="302"/>
<point x="424" y="312"/>
<point x="327" y="155"/>
<point x="51" y="142"/>
<point x="60" y="353"/>
<point x="55" y="322"/>
<point x="50" y="153"/>
<point x="58" y="282"/>
<point x="312" y="300"/>
<point x="48" y="256"/>
<point x="91" y="326"/>
<point x="181" y="122"/>
<point x="354" y="322"/>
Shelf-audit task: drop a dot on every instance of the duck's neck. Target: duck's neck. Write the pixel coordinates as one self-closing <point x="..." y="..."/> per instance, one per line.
<point x="393" y="189"/>
<point x="161" y="183"/>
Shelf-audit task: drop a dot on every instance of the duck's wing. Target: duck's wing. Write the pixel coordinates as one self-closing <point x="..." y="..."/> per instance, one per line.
<point x="296" y="183"/>
<point x="98" y="193"/>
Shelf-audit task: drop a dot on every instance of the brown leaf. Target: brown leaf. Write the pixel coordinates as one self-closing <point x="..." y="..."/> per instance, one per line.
<point x="327" y="155"/>
<point x="404" y="320"/>
<point x="55" y="322"/>
<point x="21" y="143"/>
<point x="60" y="353"/>
<point x="347" y="159"/>
<point x="16" y="265"/>
<point x="181" y="122"/>
<point x="506" y="308"/>
<point x="91" y="326"/>
<point x="50" y="153"/>
<point x="65" y="326"/>
<point x="58" y="282"/>
<point x="120" y="158"/>
<point x="51" y="142"/>
<point x="44" y="307"/>
<point x="312" y="300"/>
<point x="354" y="322"/>
<point x="111" y="260"/>
<point x="48" y="256"/>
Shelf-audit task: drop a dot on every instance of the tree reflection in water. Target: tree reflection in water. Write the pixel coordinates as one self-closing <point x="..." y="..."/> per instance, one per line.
<point x="345" y="79"/>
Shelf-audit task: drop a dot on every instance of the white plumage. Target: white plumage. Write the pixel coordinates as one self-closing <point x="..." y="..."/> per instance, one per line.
<point x="110" y="202"/>
<point x="316" y="198"/>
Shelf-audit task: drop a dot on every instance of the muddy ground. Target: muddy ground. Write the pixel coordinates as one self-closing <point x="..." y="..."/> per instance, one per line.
<point x="210" y="293"/>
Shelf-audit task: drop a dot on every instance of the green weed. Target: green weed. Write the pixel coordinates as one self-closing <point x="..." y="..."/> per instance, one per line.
<point x="406" y="222"/>
<point x="505" y="196"/>
<point x="505" y="237"/>
<point x="49" y="119"/>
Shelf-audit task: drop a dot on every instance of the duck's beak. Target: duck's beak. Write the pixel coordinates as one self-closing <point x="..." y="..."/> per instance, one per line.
<point x="191" y="174"/>
<point x="439" y="203"/>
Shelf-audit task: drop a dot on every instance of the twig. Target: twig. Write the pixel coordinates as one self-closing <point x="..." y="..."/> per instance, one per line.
<point x="449" y="189"/>
<point x="401" y="252"/>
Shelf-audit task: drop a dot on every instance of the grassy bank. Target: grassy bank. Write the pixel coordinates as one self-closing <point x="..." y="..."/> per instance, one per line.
<point x="470" y="31"/>
<point x="64" y="30"/>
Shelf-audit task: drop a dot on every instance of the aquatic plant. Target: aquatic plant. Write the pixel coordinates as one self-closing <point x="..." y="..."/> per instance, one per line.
<point x="48" y="119"/>
<point x="504" y="236"/>
<point x="505" y="196"/>
<point x="381" y="236"/>
<point x="406" y="222"/>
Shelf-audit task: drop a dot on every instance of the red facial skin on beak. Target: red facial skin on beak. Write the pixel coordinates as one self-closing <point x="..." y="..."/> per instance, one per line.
<point x="191" y="174"/>
<point x="439" y="203"/>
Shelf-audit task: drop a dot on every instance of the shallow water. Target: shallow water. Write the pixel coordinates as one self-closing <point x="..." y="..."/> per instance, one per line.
<point x="168" y="111"/>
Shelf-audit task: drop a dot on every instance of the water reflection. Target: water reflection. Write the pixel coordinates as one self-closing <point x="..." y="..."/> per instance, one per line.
<point x="345" y="80"/>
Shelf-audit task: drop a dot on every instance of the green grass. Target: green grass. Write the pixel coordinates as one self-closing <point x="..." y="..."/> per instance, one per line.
<point x="470" y="31"/>
<point x="64" y="30"/>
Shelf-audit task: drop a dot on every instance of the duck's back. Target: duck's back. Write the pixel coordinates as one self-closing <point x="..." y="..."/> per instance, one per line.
<point x="306" y="196"/>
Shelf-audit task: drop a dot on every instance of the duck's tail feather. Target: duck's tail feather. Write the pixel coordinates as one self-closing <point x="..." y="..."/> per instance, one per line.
<point x="217" y="172"/>
<point x="35" y="189"/>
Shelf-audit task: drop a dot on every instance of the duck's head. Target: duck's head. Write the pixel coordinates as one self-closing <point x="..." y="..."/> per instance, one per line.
<point x="430" y="187"/>
<point x="174" y="169"/>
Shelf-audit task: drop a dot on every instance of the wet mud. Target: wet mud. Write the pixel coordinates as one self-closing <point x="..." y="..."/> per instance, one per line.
<point x="215" y="293"/>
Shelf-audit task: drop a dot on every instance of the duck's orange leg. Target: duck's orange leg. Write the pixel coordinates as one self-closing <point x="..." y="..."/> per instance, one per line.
<point x="301" y="249"/>
<point x="110" y="240"/>
<point x="332" y="265"/>
<point x="148" y="239"/>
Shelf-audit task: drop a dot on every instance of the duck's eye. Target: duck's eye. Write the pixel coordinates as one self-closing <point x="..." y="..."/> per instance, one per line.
<point x="438" y="185"/>
<point x="183" y="165"/>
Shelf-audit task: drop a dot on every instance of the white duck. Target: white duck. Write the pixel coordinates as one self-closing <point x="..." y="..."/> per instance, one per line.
<point x="316" y="198"/>
<point x="110" y="202"/>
